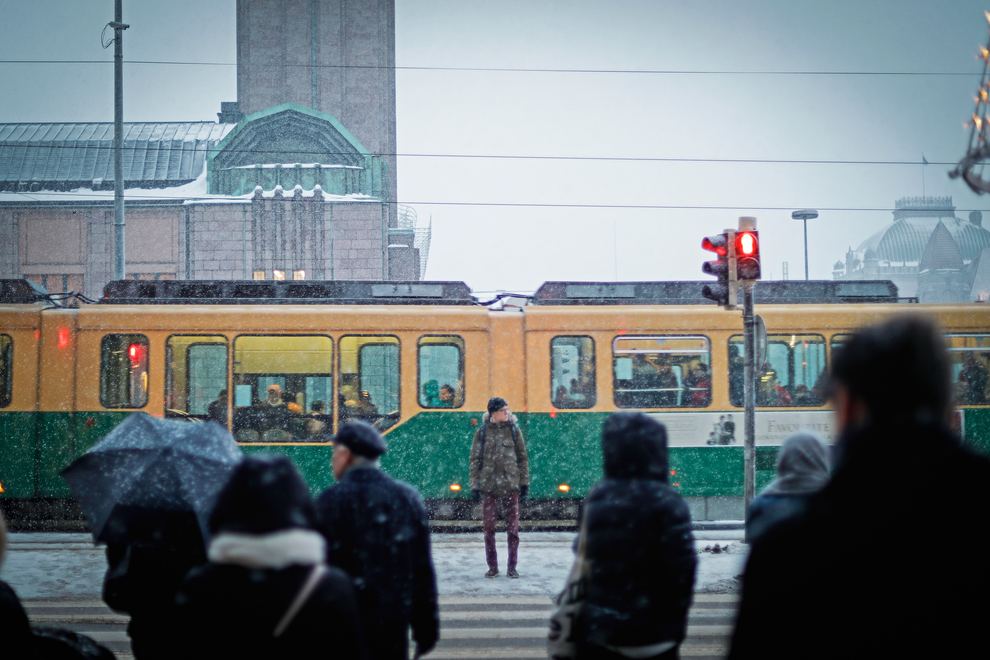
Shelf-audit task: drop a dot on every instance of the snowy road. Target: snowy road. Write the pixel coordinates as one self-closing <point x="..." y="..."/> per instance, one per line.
<point x="68" y="565"/>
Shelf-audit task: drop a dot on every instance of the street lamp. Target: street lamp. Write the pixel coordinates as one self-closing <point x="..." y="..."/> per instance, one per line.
<point x="804" y="215"/>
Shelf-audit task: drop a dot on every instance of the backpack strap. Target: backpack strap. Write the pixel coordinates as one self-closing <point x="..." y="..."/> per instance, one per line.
<point x="308" y="586"/>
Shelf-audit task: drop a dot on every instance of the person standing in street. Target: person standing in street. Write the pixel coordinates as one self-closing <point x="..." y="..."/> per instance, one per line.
<point x="499" y="478"/>
<point x="886" y="560"/>
<point x="377" y="531"/>
<point x="639" y="549"/>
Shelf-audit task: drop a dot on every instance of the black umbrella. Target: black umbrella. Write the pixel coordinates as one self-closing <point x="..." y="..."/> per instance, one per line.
<point x="147" y="463"/>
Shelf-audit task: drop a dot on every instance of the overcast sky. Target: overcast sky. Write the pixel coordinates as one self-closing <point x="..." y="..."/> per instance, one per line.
<point x="716" y="114"/>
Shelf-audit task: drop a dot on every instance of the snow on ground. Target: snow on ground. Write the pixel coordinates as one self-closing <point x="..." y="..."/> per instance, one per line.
<point x="68" y="565"/>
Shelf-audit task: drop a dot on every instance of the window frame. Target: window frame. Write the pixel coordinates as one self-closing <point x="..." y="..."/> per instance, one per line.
<point x="340" y="371"/>
<point x="227" y="344"/>
<point x="952" y="364"/>
<point x="826" y="344"/>
<point x="7" y="386"/>
<point x="708" y="352"/>
<point x="594" y="374"/>
<point x="147" y="365"/>
<point x="328" y="417"/>
<point x="461" y="368"/>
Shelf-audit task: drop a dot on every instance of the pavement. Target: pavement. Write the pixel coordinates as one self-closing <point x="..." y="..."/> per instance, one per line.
<point x="68" y="565"/>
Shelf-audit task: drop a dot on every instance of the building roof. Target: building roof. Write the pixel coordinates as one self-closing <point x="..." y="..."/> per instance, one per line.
<point x="941" y="252"/>
<point x="66" y="156"/>
<point x="915" y="220"/>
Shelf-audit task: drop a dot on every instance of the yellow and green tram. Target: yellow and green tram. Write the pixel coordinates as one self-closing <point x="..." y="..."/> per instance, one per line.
<point x="283" y="364"/>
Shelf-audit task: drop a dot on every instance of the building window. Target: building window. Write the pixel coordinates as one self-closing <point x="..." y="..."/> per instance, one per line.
<point x="283" y="386"/>
<point x="278" y="275"/>
<point x="258" y="275"/>
<point x="661" y="372"/>
<point x="196" y="377"/>
<point x="792" y="375"/>
<point x="970" y="356"/>
<point x="441" y="372"/>
<point x="298" y="275"/>
<point x="369" y="379"/>
<point x="572" y="372"/>
<point x="6" y="369"/>
<point x="124" y="371"/>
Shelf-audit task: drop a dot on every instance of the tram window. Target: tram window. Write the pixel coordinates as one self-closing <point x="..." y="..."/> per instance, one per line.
<point x="970" y="358"/>
<point x="6" y="369"/>
<point x="283" y="386"/>
<point x="792" y="375"/>
<point x="369" y="379"/>
<point x="572" y="372"/>
<point x="441" y="372"/>
<point x="196" y="377"/>
<point x="124" y="371"/>
<point x="661" y="372"/>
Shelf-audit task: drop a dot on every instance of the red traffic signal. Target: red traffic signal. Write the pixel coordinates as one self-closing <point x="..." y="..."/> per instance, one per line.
<point x="136" y="354"/>
<point x="722" y="291"/>
<point x="748" y="255"/>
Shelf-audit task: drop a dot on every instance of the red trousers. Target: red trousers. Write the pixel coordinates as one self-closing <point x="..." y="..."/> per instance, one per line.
<point x="489" y="508"/>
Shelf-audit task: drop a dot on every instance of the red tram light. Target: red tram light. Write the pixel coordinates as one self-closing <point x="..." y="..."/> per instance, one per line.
<point x="136" y="354"/>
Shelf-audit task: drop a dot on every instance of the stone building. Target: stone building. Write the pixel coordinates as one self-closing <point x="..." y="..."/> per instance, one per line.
<point x="295" y="181"/>
<point x="927" y="251"/>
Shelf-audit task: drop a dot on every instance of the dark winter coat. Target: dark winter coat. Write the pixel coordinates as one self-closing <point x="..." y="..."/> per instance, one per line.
<point x="640" y="550"/>
<point x="500" y="464"/>
<point x="802" y="470"/>
<point x="144" y="574"/>
<point x="377" y="531"/>
<point x="886" y="561"/>
<point x="263" y="551"/>
<point x="15" y="630"/>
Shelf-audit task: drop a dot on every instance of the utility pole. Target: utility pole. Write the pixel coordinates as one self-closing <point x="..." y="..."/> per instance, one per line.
<point x="118" y="26"/>
<point x="749" y="395"/>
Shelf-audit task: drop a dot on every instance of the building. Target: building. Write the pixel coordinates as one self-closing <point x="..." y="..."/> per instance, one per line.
<point x="927" y="251"/>
<point x="296" y="179"/>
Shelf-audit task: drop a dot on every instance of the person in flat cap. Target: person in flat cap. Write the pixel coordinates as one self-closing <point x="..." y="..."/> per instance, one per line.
<point x="499" y="473"/>
<point x="377" y="531"/>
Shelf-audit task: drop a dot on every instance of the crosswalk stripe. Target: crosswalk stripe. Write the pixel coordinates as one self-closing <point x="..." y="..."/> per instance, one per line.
<point x="527" y="632"/>
<point x="495" y="600"/>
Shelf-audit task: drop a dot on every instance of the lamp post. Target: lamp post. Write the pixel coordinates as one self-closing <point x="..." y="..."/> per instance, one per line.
<point x="804" y="215"/>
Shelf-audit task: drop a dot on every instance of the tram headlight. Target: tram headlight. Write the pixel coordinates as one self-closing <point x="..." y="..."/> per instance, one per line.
<point x="455" y="488"/>
<point x="564" y="488"/>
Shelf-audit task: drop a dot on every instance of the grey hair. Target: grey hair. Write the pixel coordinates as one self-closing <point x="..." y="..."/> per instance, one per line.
<point x="364" y="461"/>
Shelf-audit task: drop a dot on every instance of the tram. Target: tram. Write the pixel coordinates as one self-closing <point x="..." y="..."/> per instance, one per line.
<point x="283" y="364"/>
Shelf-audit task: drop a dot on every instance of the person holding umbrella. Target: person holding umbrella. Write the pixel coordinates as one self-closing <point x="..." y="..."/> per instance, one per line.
<point x="147" y="489"/>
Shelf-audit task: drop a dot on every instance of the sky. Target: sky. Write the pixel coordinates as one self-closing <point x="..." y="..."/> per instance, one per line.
<point x="509" y="224"/>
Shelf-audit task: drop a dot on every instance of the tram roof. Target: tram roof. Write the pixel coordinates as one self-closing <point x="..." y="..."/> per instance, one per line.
<point x="689" y="292"/>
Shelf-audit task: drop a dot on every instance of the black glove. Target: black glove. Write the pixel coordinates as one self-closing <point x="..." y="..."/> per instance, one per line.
<point x="523" y="491"/>
<point x="475" y="495"/>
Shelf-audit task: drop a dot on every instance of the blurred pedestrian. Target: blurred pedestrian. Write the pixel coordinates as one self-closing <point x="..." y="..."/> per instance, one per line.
<point x="376" y="530"/>
<point x="266" y="591"/>
<point x="144" y="570"/>
<point x="802" y="469"/>
<point x="639" y="549"/>
<point x="15" y="630"/>
<point x="499" y="473"/>
<point x="872" y="568"/>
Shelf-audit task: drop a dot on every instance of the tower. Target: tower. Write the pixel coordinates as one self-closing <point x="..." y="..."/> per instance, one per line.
<point x="334" y="56"/>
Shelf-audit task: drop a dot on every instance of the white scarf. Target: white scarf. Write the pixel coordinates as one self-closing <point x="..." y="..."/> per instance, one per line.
<point x="276" y="550"/>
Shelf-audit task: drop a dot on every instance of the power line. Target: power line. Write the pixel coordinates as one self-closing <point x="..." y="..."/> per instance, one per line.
<point x="566" y="205"/>
<point x="499" y="69"/>
<point x="154" y="147"/>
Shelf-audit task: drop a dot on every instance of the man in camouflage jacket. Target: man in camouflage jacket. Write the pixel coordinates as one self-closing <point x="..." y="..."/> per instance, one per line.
<point x="500" y="473"/>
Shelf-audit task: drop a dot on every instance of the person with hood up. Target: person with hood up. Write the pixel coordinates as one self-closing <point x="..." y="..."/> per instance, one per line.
<point x="376" y="530"/>
<point x="885" y="561"/>
<point x="266" y="591"/>
<point x="639" y="549"/>
<point x="499" y="475"/>
<point x="802" y="470"/>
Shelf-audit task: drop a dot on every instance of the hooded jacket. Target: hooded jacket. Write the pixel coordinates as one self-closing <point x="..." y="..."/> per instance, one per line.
<point x="870" y="569"/>
<point x="264" y="549"/>
<point x="638" y="544"/>
<point x="802" y="469"/>
<point x="500" y="467"/>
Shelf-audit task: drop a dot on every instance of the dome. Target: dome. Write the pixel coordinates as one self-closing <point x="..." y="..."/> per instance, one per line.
<point x="915" y="220"/>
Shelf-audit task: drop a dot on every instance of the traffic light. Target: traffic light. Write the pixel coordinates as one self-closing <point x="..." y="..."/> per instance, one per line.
<point x="747" y="251"/>
<point x="723" y="291"/>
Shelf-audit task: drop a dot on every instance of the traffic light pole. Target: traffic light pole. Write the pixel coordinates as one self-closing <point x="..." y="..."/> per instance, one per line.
<point x="749" y="394"/>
